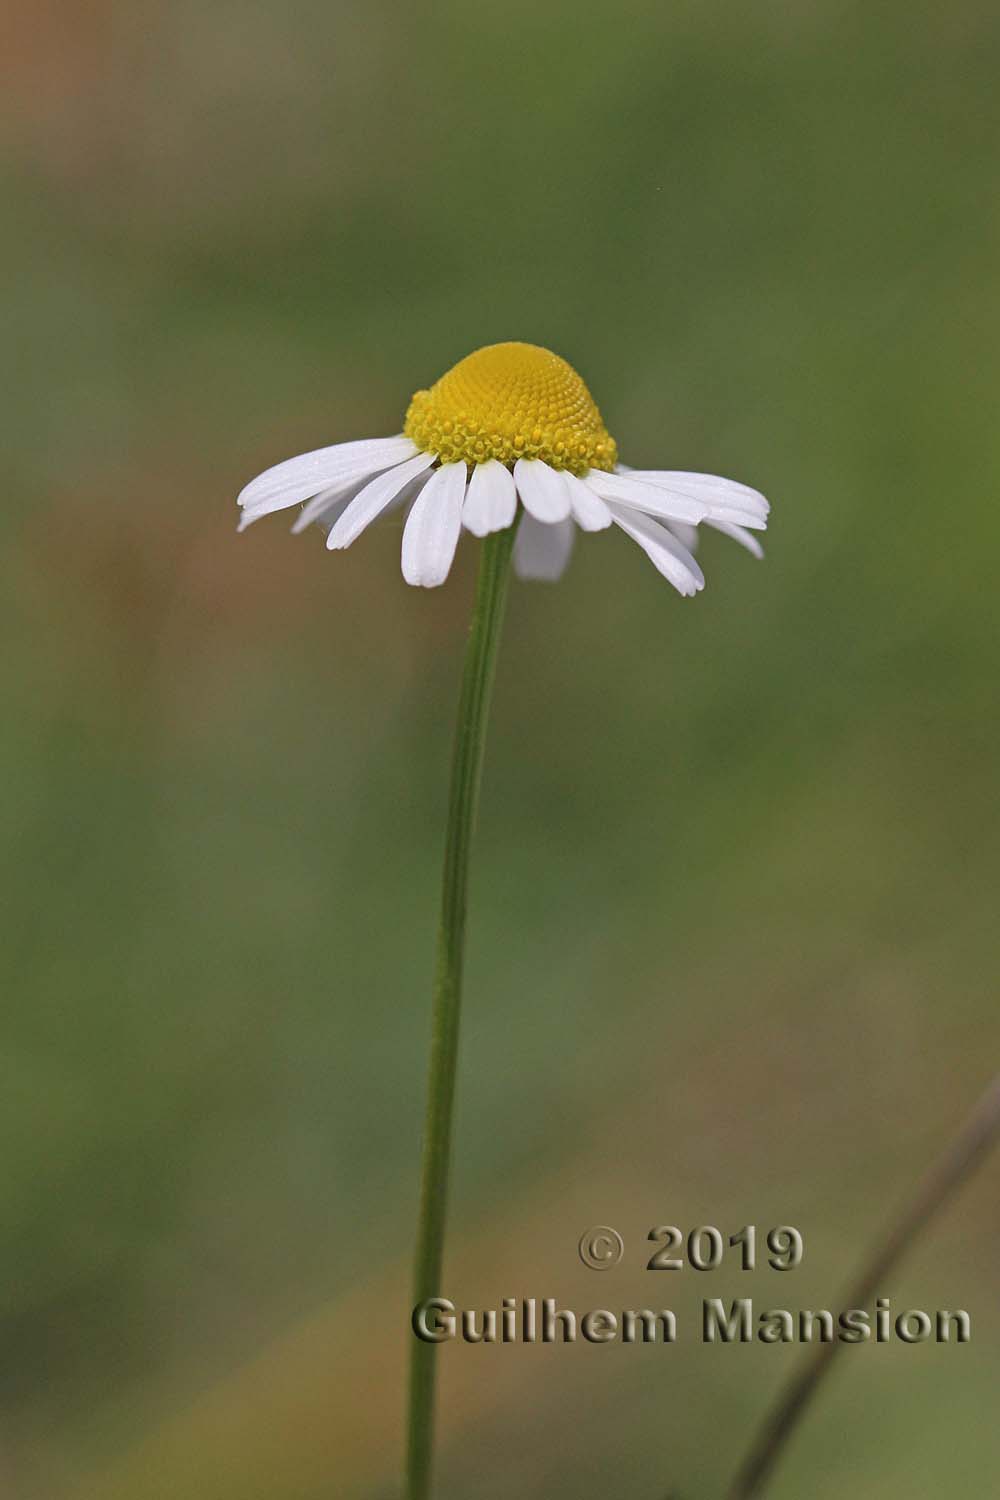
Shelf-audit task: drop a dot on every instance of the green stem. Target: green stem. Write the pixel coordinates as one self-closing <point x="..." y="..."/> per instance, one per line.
<point x="470" y="737"/>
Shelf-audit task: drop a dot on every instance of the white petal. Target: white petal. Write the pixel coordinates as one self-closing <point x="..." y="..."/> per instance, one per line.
<point x="541" y="490"/>
<point x="329" y="517"/>
<point x="686" y="535"/>
<point x="491" y="499"/>
<point x="326" y="507"/>
<point x="542" y="551"/>
<point x="373" y="499"/>
<point x="686" y="478"/>
<point x="589" y="510"/>
<point x="433" y="526"/>
<point x="739" y="534"/>
<point x="664" y="551"/>
<point x="736" y="517"/>
<point x="625" y="489"/>
<point x="711" y="489"/>
<point x="300" y="478"/>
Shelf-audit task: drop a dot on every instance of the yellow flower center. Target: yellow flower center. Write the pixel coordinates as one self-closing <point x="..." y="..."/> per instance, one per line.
<point x="511" y="401"/>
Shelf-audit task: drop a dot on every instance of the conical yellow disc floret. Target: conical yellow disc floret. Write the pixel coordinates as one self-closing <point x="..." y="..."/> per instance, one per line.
<point x="511" y="401"/>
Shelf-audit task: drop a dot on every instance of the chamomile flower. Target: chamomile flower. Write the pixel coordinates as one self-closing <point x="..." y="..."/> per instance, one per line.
<point x="510" y="428"/>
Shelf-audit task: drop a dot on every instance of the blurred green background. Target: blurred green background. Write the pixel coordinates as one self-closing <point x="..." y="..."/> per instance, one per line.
<point x="733" y="934"/>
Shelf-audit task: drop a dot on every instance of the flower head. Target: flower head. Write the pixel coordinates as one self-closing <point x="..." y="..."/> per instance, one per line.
<point x="511" y="401"/>
<point x="510" y="424"/>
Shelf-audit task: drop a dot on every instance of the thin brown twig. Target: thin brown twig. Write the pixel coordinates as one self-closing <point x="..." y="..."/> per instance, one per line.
<point x="970" y="1146"/>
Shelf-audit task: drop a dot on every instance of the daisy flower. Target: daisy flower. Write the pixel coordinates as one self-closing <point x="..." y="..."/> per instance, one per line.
<point x="510" y="428"/>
